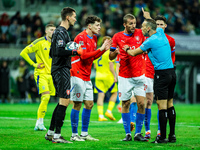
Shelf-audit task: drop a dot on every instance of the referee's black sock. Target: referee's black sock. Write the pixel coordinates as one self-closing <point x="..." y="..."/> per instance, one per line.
<point x="163" y="123"/>
<point x="53" y="119"/>
<point x="60" y="116"/>
<point x="172" y="119"/>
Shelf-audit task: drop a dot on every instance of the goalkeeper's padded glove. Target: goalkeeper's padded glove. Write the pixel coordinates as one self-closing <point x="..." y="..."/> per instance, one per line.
<point x="78" y="52"/>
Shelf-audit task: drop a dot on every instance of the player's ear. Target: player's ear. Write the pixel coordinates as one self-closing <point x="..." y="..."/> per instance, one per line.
<point x="165" y="25"/>
<point x="124" y="24"/>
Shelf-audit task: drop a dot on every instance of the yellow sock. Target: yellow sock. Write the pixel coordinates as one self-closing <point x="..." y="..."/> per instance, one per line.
<point x="111" y="104"/>
<point x="43" y="106"/>
<point x="100" y="110"/>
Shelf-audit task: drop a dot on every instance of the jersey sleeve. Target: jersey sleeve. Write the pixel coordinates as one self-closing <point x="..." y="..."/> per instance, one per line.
<point x="172" y="45"/>
<point x="114" y="43"/>
<point x="27" y="50"/>
<point x="146" y="45"/>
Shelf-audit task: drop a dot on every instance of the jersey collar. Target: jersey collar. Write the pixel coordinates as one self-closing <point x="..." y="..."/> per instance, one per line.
<point x="128" y="34"/>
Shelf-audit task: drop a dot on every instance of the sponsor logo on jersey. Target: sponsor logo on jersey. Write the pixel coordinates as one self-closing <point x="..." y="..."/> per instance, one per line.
<point x="78" y="95"/>
<point x="60" y="42"/>
<point x="45" y="48"/>
<point x="68" y="92"/>
<point x="122" y="41"/>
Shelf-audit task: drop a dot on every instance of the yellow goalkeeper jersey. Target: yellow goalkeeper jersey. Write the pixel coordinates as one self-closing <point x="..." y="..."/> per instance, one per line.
<point x="41" y="47"/>
<point x="102" y="67"/>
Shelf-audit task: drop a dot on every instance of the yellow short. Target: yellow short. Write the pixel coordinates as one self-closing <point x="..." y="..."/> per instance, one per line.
<point x="44" y="83"/>
<point x="105" y="86"/>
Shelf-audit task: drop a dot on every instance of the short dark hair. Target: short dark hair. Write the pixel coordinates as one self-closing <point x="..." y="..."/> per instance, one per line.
<point x="128" y="16"/>
<point x="161" y="17"/>
<point x="91" y="19"/>
<point x="67" y="11"/>
<point x="151" y="23"/>
<point x="49" y="25"/>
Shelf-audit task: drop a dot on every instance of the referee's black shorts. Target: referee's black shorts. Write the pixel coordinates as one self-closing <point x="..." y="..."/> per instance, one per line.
<point x="61" y="80"/>
<point x="164" y="84"/>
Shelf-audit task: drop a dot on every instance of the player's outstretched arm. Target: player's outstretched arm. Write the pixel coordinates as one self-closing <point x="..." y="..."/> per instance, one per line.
<point x="134" y="52"/>
<point x="106" y="45"/>
<point x="146" y="14"/>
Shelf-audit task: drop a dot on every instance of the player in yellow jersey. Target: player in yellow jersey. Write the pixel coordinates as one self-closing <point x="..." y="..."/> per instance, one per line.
<point x="42" y="72"/>
<point x="105" y="80"/>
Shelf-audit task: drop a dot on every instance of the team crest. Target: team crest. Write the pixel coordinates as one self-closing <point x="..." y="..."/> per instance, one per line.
<point x="120" y="94"/>
<point x="43" y="87"/>
<point x="68" y="92"/>
<point x="137" y="38"/>
<point x="78" y="95"/>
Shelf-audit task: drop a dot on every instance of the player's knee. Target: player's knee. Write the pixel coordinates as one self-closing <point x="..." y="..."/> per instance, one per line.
<point x="141" y="105"/>
<point x="45" y="98"/>
<point x="126" y="105"/>
<point x="77" y="105"/>
<point x="89" y="105"/>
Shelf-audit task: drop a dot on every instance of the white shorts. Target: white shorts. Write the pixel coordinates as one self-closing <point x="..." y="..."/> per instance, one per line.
<point x="128" y="85"/>
<point x="81" y="90"/>
<point x="149" y="85"/>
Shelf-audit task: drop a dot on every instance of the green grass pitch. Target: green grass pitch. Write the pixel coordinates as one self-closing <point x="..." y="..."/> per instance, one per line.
<point x="17" y="123"/>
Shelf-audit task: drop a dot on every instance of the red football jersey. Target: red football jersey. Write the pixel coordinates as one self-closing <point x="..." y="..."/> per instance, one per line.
<point x="172" y="45"/>
<point x="130" y="66"/>
<point x="149" y="66"/>
<point x="81" y="65"/>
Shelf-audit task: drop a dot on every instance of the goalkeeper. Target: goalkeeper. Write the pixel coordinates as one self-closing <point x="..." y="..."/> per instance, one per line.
<point x="42" y="72"/>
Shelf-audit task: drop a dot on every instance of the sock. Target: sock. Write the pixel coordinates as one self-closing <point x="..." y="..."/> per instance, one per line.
<point x="100" y="110"/>
<point x="172" y="119"/>
<point x="139" y="122"/>
<point x="60" y="116"/>
<point x="111" y="105"/>
<point x="163" y="123"/>
<point x="53" y="119"/>
<point x="50" y="132"/>
<point x="56" y="135"/>
<point x="133" y="111"/>
<point x="74" y="120"/>
<point x="85" y="119"/>
<point x="158" y="120"/>
<point x="147" y="119"/>
<point x="84" y="133"/>
<point x="126" y="122"/>
<point x="43" y="106"/>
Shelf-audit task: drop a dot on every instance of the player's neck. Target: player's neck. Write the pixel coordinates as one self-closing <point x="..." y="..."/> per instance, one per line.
<point x="65" y="24"/>
<point x="48" y="39"/>
<point x="125" y="31"/>
<point x="89" y="32"/>
<point x="152" y="32"/>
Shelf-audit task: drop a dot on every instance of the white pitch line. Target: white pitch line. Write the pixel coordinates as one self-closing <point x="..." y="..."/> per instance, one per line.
<point x="98" y="122"/>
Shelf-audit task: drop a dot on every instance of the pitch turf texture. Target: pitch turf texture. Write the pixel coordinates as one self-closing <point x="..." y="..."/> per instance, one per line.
<point x="17" y="123"/>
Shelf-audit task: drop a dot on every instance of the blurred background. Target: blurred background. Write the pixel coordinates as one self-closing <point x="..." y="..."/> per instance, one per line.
<point x="23" y="21"/>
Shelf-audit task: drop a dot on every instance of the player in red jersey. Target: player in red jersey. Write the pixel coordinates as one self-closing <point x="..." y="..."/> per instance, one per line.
<point x="162" y="23"/>
<point x="131" y="74"/>
<point x="81" y="86"/>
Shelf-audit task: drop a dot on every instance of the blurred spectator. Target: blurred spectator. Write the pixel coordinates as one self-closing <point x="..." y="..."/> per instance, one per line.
<point x="14" y="31"/>
<point x="190" y="28"/>
<point x="22" y="80"/>
<point x="3" y="39"/>
<point x="4" y="82"/>
<point x="27" y="20"/>
<point x="36" y="17"/>
<point x="17" y="17"/>
<point x="4" y="23"/>
<point x="26" y="36"/>
<point x="32" y="88"/>
<point x="38" y="29"/>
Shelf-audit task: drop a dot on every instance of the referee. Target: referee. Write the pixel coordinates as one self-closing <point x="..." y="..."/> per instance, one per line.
<point x="60" y="71"/>
<point x="159" y="52"/>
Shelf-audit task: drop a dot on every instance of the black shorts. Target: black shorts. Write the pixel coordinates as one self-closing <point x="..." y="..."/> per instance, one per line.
<point x="164" y="84"/>
<point x="61" y="80"/>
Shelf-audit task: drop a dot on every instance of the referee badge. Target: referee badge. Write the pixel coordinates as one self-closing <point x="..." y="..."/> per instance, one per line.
<point x="68" y="92"/>
<point x="78" y="95"/>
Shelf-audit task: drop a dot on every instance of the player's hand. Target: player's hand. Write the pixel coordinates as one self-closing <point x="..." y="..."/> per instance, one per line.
<point x="80" y="51"/>
<point x="106" y="45"/>
<point x="126" y="47"/>
<point x="38" y="65"/>
<point x="115" y="79"/>
<point x="117" y="50"/>
<point x="146" y="14"/>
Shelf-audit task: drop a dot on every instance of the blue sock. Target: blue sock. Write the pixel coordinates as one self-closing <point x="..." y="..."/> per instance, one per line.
<point x="134" y="111"/>
<point x="74" y="120"/>
<point x="126" y="122"/>
<point x="147" y="119"/>
<point x="139" y="122"/>
<point x="85" y="119"/>
<point x="131" y="112"/>
<point x="158" y="120"/>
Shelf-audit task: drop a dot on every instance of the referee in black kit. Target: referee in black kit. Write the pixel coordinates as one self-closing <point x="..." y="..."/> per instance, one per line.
<point x="60" y="71"/>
